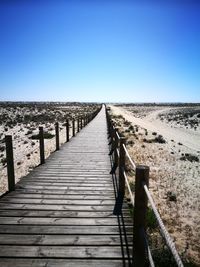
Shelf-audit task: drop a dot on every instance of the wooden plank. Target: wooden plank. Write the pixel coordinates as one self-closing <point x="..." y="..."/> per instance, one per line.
<point x="28" y="186"/>
<point x="68" y="180"/>
<point x="61" y="251"/>
<point x="33" y="262"/>
<point x="59" y="201"/>
<point x="58" y="196"/>
<point x="61" y="214"/>
<point x="67" y="240"/>
<point x="60" y="229"/>
<point x="56" y="213"/>
<point x="56" y="184"/>
<point x="56" y="207"/>
<point x="63" y="192"/>
<point x="58" y="221"/>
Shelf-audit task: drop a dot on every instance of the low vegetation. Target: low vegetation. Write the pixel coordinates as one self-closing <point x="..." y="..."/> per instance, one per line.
<point x="189" y="157"/>
<point x="188" y="118"/>
<point x="46" y="135"/>
<point x="168" y="170"/>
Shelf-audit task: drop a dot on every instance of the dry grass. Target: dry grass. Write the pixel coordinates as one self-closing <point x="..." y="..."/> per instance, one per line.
<point x="174" y="183"/>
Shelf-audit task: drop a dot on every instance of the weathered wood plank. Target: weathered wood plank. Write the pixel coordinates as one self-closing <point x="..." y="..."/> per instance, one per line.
<point x="33" y="262"/>
<point x="61" y="251"/>
<point x="59" y="196"/>
<point x="58" y="221"/>
<point x="56" y="207"/>
<point x="70" y="184"/>
<point x="68" y="180"/>
<point x="61" y="214"/>
<point x="56" y="213"/>
<point x="60" y="229"/>
<point x="64" y="191"/>
<point x="59" y="201"/>
<point x="65" y="187"/>
<point x="67" y="240"/>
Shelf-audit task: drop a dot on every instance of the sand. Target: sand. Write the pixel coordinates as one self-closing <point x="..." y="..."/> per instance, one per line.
<point x="20" y="122"/>
<point x="168" y="173"/>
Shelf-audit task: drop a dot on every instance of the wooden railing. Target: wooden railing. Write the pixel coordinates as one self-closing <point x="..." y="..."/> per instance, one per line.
<point x="75" y="125"/>
<point x="141" y="253"/>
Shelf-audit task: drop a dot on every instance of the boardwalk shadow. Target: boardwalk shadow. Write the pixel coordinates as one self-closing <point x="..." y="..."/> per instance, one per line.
<point x="123" y="226"/>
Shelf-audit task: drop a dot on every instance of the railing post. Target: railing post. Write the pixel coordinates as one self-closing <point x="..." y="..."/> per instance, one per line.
<point x="57" y="135"/>
<point x="139" y="217"/>
<point x="121" y="188"/>
<point x="111" y="135"/>
<point x="108" y="122"/>
<point x="122" y="166"/>
<point x="41" y="139"/>
<point x="81" y="123"/>
<point x="77" y="125"/>
<point x="10" y="163"/>
<point x="73" y="127"/>
<point x="115" y="145"/>
<point x="67" y="130"/>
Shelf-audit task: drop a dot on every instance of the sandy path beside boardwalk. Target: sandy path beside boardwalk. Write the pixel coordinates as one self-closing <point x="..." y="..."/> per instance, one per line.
<point x="168" y="173"/>
<point x="188" y="138"/>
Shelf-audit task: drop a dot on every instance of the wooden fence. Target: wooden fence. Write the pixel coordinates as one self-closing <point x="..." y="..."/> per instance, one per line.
<point x="141" y="253"/>
<point x="76" y="125"/>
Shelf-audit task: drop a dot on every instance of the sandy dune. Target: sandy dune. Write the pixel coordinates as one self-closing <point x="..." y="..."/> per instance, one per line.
<point x="168" y="173"/>
<point x="188" y="138"/>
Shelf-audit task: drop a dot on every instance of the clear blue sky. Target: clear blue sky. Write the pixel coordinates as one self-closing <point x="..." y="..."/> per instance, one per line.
<point x="128" y="51"/>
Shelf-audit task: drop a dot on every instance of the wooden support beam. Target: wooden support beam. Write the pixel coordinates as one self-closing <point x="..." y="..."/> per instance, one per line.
<point x="73" y="127"/>
<point x="78" y="126"/>
<point x="121" y="189"/>
<point x="10" y="163"/>
<point x="57" y="135"/>
<point x="139" y="217"/>
<point x="41" y="140"/>
<point x="67" y="130"/>
<point x="81" y="123"/>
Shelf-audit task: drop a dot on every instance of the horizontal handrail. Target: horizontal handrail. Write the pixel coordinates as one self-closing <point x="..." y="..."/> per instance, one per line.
<point x="129" y="188"/>
<point x="119" y="149"/>
<point x="164" y="231"/>
<point x="128" y="156"/>
<point x="118" y="137"/>
<point x="151" y="262"/>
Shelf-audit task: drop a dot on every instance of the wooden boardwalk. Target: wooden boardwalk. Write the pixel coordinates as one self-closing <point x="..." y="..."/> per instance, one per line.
<point x="61" y="213"/>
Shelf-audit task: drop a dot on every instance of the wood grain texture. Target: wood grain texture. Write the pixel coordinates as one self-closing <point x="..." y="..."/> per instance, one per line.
<point x="61" y="214"/>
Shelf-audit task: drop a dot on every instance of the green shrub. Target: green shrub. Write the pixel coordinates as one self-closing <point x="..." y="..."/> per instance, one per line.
<point x="171" y="196"/>
<point x="189" y="157"/>
<point x="160" y="139"/>
<point x="130" y="142"/>
<point x="29" y="132"/>
<point x="3" y="161"/>
<point x="2" y="148"/>
<point x="163" y="258"/>
<point x="151" y="219"/>
<point x="127" y="123"/>
<point x="46" y="136"/>
<point x="131" y="127"/>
